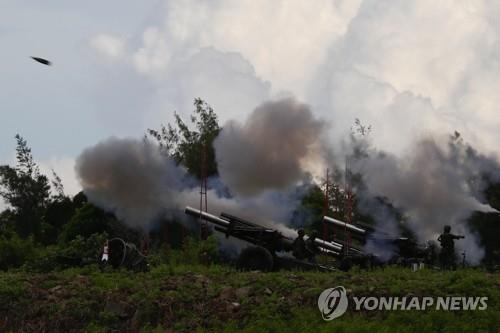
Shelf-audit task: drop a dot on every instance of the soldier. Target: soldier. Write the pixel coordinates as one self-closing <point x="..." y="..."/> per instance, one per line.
<point x="105" y="253"/>
<point x="299" y="246"/>
<point x="447" y="255"/>
<point x="311" y="248"/>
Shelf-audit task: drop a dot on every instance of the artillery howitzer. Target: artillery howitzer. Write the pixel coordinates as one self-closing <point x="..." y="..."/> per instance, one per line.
<point x="405" y="250"/>
<point x="268" y="247"/>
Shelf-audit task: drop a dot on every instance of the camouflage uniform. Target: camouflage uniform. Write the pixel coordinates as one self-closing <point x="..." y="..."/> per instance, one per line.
<point x="311" y="248"/>
<point x="299" y="246"/>
<point x="447" y="255"/>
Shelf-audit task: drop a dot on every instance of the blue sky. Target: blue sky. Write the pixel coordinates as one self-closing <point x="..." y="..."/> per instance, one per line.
<point x="55" y="108"/>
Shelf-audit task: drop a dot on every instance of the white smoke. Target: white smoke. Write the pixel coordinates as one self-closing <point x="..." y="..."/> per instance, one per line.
<point x="436" y="183"/>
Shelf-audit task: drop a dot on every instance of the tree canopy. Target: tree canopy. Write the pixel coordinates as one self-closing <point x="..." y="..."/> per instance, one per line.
<point x="189" y="146"/>
<point x="25" y="189"/>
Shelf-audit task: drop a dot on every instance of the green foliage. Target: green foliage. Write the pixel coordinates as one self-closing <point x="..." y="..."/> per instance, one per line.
<point x="79" y="200"/>
<point x="204" y="252"/>
<point x="58" y="186"/>
<point x="25" y="190"/>
<point x="95" y="328"/>
<point x="7" y="223"/>
<point x="82" y="247"/>
<point x="87" y="220"/>
<point x="159" y="256"/>
<point x="202" y="299"/>
<point x="77" y="252"/>
<point x="193" y="252"/>
<point x="14" y="251"/>
<point x="310" y="212"/>
<point x="189" y="146"/>
<point x="58" y="213"/>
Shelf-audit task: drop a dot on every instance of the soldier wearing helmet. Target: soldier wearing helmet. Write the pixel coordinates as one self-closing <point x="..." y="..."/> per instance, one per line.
<point x="447" y="255"/>
<point x="299" y="245"/>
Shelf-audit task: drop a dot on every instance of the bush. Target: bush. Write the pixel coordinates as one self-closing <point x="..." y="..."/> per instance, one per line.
<point x="200" y="252"/>
<point x="80" y="251"/>
<point x="87" y="220"/>
<point x="89" y="248"/>
<point x="193" y="252"/>
<point x="15" y="251"/>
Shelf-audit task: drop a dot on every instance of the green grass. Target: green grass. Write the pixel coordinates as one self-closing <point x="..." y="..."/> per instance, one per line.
<point x="196" y="298"/>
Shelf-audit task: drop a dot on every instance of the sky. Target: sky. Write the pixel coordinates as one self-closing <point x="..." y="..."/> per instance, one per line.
<point x="407" y="68"/>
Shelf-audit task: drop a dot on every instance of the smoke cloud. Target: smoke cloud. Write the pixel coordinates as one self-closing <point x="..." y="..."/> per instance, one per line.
<point x="138" y="183"/>
<point x="435" y="184"/>
<point x="272" y="150"/>
<point x="130" y="178"/>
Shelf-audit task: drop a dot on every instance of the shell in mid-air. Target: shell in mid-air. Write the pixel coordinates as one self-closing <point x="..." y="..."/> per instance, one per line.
<point x="42" y="61"/>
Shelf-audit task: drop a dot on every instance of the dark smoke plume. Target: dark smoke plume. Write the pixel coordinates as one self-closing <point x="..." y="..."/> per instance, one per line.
<point x="138" y="183"/>
<point x="130" y="178"/>
<point x="272" y="150"/>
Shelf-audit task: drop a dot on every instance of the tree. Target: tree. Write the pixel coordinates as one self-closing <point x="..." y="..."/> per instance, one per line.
<point x="14" y="251"/>
<point x="57" y="214"/>
<point x="87" y="220"/>
<point x="310" y="211"/>
<point x="188" y="147"/>
<point x="25" y="189"/>
<point x="58" y="186"/>
<point x="7" y="227"/>
<point x="90" y="219"/>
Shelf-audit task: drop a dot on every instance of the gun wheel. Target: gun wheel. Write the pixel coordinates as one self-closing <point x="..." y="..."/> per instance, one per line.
<point x="255" y="258"/>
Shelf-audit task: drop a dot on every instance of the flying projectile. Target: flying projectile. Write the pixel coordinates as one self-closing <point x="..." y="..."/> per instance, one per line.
<point x="42" y="61"/>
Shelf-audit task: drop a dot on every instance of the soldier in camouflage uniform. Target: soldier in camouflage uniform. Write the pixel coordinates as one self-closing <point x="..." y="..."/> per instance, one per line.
<point x="299" y="246"/>
<point x="447" y="255"/>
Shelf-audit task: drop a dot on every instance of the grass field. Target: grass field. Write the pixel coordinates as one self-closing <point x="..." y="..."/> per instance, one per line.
<point x="197" y="298"/>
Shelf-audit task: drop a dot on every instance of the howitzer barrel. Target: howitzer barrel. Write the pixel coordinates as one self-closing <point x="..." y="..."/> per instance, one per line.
<point x="331" y="246"/>
<point x="331" y="253"/>
<point x="344" y="225"/>
<point x="206" y="216"/>
<point x="224" y="225"/>
<point x="229" y="218"/>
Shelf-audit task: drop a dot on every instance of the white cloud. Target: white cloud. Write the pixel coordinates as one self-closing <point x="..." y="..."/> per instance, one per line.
<point x="65" y="169"/>
<point x="284" y="40"/>
<point x="407" y="68"/>
<point x="153" y="55"/>
<point x="225" y="80"/>
<point x="410" y="68"/>
<point x="149" y="84"/>
<point x="112" y="47"/>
